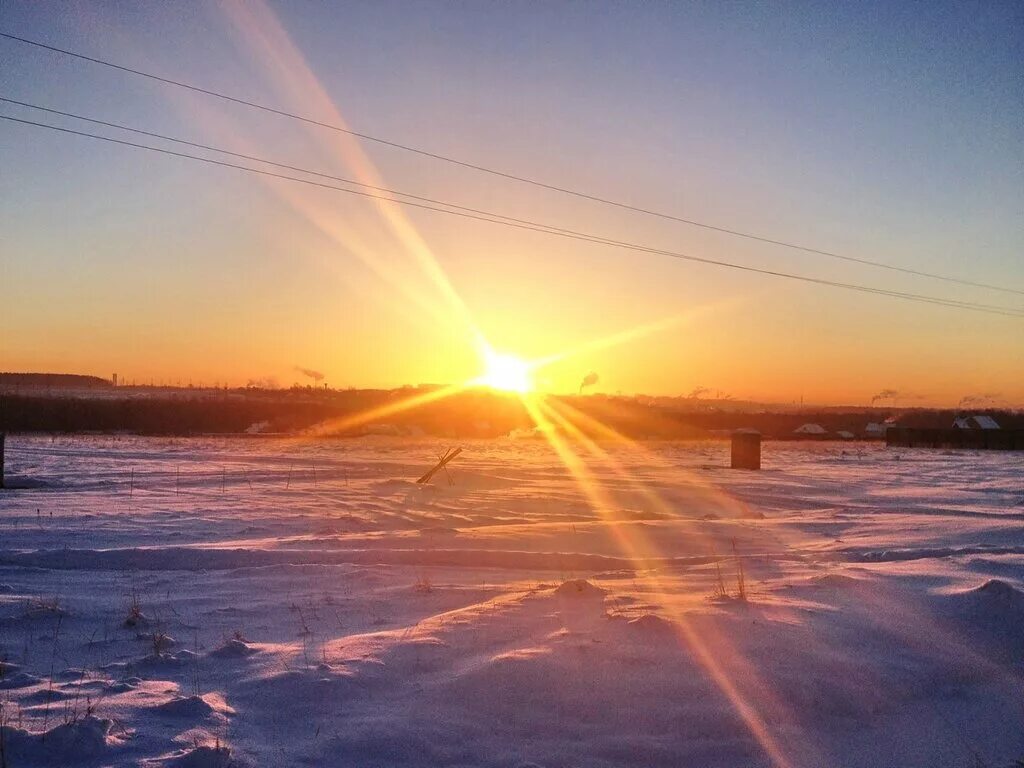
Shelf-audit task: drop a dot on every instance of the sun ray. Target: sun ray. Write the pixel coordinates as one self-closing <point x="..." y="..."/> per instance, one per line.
<point x="608" y="433"/>
<point x="632" y="334"/>
<point x="344" y="424"/>
<point x="700" y="647"/>
<point x="413" y="267"/>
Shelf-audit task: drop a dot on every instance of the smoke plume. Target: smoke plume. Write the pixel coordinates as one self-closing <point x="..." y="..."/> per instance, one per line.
<point x="314" y="375"/>
<point x="269" y="382"/>
<point x="588" y="381"/>
<point x="984" y="400"/>
<point x="886" y="394"/>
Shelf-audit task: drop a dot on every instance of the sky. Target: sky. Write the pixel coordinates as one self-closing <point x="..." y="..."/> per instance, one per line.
<point x="880" y="131"/>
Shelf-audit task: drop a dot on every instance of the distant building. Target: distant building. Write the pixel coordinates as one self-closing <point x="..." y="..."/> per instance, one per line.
<point x="979" y="421"/>
<point x="845" y="434"/>
<point x="874" y="429"/>
<point x="810" y="429"/>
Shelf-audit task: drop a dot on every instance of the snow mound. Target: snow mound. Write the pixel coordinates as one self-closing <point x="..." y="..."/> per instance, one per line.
<point x="995" y="601"/>
<point x="157" y="640"/>
<point x="155" y="662"/>
<point x="999" y="593"/>
<point x="835" y="581"/>
<point x="203" y="757"/>
<point x="88" y="736"/>
<point x="191" y="706"/>
<point x="233" y="649"/>
<point x="122" y="686"/>
<point x="66" y="744"/>
<point x="994" y="613"/>
<point x="652" y="626"/>
<point x="18" y="680"/>
<point x="46" y="696"/>
<point x="196" y="707"/>
<point x="579" y="588"/>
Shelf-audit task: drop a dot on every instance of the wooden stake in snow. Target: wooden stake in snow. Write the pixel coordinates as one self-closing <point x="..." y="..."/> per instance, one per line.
<point x="447" y="473"/>
<point x="3" y="439"/>
<point x="441" y="464"/>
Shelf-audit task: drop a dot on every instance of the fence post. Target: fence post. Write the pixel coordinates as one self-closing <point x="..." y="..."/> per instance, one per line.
<point x="3" y="439"/>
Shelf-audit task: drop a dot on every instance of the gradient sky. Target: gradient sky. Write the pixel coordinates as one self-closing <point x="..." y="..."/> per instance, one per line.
<point x="887" y="132"/>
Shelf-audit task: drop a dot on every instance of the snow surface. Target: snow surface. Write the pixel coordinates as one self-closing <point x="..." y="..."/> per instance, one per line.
<point x="205" y="603"/>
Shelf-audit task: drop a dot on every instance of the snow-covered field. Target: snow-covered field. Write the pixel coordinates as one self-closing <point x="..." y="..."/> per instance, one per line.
<point x="271" y="602"/>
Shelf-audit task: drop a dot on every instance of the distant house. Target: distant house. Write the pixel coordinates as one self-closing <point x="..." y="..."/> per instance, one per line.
<point x="979" y="421"/>
<point x="810" y="429"/>
<point x="874" y="429"/>
<point x="845" y="434"/>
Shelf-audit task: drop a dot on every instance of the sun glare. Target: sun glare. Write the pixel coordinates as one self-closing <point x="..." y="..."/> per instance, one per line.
<point x="507" y="372"/>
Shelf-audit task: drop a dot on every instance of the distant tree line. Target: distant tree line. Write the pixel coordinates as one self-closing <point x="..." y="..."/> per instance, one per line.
<point x="473" y="413"/>
<point x="466" y="415"/>
<point x="52" y="380"/>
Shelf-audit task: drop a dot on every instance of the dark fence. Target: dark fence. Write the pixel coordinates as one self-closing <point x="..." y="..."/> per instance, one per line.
<point x="985" y="439"/>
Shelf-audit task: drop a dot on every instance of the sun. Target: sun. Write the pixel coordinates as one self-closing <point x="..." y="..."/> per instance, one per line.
<point x="506" y="372"/>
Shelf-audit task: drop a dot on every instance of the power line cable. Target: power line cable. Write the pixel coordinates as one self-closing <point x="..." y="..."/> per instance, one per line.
<point x="537" y="227"/>
<point x="511" y="176"/>
<point x="480" y="213"/>
<point x="286" y="166"/>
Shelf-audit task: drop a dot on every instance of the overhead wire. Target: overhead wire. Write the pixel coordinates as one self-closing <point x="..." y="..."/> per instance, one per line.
<point x="534" y="226"/>
<point x="511" y="176"/>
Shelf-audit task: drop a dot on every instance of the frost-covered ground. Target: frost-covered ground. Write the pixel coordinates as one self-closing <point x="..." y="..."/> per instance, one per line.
<point x="265" y="602"/>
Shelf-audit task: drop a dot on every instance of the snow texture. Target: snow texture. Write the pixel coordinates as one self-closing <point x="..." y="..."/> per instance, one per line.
<point x="205" y="603"/>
